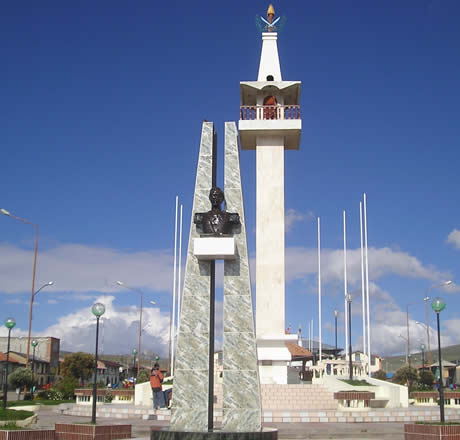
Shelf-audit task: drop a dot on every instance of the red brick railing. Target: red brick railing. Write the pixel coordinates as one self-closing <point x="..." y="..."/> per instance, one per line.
<point x="249" y="112"/>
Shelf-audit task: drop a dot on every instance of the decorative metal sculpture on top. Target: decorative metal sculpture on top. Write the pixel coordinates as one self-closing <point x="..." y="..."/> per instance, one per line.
<point x="272" y="24"/>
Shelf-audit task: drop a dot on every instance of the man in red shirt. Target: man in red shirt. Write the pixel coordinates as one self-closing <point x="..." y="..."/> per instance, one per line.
<point x="156" y="378"/>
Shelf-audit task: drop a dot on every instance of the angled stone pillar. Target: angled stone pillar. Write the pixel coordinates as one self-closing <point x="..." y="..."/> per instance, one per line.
<point x="191" y="373"/>
<point x="241" y="389"/>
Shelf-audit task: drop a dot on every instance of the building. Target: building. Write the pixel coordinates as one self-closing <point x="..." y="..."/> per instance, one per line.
<point x="108" y="372"/>
<point x="47" y="349"/>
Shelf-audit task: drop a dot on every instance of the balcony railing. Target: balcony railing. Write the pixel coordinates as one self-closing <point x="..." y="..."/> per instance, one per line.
<point x="256" y="112"/>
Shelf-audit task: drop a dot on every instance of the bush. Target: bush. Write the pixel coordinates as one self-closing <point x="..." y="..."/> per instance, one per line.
<point x="380" y="374"/>
<point x="426" y="378"/>
<point x="42" y="394"/>
<point x="405" y="375"/>
<point x="143" y="377"/>
<point x="66" y="387"/>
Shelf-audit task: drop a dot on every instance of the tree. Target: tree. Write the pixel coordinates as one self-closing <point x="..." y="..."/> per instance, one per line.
<point x="20" y="378"/>
<point x="143" y="376"/>
<point x="405" y="375"/>
<point x="66" y="386"/>
<point x="426" y="378"/>
<point x="380" y="374"/>
<point x="78" y="365"/>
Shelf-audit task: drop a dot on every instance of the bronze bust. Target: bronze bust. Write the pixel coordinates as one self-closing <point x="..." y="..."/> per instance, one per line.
<point x="216" y="222"/>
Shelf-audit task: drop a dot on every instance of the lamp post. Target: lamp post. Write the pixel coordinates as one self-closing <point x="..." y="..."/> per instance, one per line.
<point x="32" y="292"/>
<point x="426" y="299"/>
<point x="438" y="305"/>
<point x="407" y="353"/>
<point x="133" y="289"/>
<point x="134" y="360"/>
<point x="422" y="348"/>
<point x="348" y="298"/>
<point x="336" y="314"/>
<point x="9" y="324"/>
<point x="34" y="344"/>
<point x="98" y="310"/>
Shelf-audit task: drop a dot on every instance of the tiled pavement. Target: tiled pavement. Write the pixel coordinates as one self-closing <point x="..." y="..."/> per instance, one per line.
<point x="321" y="424"/>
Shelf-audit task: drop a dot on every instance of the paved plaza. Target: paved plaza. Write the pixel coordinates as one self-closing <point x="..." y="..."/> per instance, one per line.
<point x="47" y="417"/>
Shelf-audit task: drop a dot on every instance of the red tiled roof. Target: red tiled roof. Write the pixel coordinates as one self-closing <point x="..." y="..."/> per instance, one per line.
<point x="298" y="352"/>
<point x="11" y="359"/>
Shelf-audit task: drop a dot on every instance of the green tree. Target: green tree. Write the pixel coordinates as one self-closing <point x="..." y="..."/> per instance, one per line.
<point x="426" y="378"/>
<point x="66" y="386"/>
<point x="20" y="378"/>
<point x="380" y="374"/>
<point x="405" y="375"/>
<point x="143" y="376"/>
<point x="78" y="365"/>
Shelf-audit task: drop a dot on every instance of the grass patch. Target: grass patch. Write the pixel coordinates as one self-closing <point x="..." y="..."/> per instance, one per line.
<point x="11" y="426"/>
<point x="12" y="414"/>
<point x="37" y="402"/>
<point x="357" y="383"/>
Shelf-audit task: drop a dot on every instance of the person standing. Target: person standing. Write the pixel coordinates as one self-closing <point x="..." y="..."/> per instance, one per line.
<point x="156" y="379"/>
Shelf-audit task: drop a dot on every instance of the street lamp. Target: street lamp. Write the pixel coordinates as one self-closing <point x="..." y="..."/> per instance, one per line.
<point x="426" y="299"/>
<point x="134" y="360"/>
<point x="32" y="292"/>
<point x="9" y="324"/>
<point x="133" y="289"/>
<point x="348" y="299"/>
<point x="34" y="344"/>
<point x="438" y="305"/>
<point x="422" y="348"/>
<point x="407" y="354"/>
<point x="336" y="314"/>
<point x="97" y="310"/>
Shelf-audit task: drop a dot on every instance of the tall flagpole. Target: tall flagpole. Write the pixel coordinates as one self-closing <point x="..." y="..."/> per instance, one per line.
<point x="345" y="280"/>
<point x="173" y="326"/>
<point x="367" y="286"/>
<point x="319" y="290"/>
<point x="363" y="293"/>
<point x="179" y="283"/>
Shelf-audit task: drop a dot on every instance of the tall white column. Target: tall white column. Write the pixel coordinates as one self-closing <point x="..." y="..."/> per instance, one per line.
<point x="367" y="286"/>
<point x="270" y="259"/>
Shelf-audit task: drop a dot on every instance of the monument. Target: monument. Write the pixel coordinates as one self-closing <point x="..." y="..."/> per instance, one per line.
<point x="270" y="123"/>
<point x="216" y="233"/>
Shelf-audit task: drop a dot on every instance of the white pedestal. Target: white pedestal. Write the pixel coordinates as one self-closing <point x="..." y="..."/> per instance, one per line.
<point x="214" y="248"/>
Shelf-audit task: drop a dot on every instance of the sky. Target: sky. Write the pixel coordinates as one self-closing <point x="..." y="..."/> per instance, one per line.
<point x="100" y="118"/>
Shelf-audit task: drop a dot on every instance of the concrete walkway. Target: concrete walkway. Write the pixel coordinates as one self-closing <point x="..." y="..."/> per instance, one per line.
<point x="287" y="431"/>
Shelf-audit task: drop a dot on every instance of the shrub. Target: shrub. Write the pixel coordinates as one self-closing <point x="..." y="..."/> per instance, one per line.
<point x="405" y="375"/>
<point x="66" y="387"/>
<point x="380" y="374"/>
<point x="426" y="378"/>
<point x="42" y="394"/>
<point x="143" y="376"/>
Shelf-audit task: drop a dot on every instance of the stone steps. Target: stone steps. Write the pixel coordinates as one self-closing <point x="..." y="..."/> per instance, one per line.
<point x="401" y="415"/>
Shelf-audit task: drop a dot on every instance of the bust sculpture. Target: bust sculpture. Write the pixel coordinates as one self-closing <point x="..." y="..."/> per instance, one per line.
<point x="216" y="222"/>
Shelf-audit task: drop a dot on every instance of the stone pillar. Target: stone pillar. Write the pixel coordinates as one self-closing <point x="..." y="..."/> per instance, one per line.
<point x="241" y="389"/>
<point x="191" y="374"/>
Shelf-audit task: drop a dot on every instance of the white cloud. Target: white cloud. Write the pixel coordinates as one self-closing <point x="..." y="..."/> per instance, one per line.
<point x="119" y="329"/>
<point x="292" y="217"/>
<point x="301" y="262"/>
<point x="454" y="238"/>
<point x="81" y="268"/>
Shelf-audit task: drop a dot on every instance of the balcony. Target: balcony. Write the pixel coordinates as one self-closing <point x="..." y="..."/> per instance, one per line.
<point x="270" y="120"/>
<point x="258" y="112"/>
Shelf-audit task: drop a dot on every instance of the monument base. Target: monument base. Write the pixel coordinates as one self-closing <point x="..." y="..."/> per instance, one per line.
<point x="166" y="434"/>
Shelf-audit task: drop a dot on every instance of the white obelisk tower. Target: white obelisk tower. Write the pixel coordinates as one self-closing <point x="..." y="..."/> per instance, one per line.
<point x="270" y="123"/>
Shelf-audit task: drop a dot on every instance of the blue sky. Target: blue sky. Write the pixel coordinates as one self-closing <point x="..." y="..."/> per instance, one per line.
<point x="100" y="120"/>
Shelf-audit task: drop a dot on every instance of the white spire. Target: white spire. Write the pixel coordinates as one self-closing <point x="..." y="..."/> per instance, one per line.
<point x="269" y="60"/>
